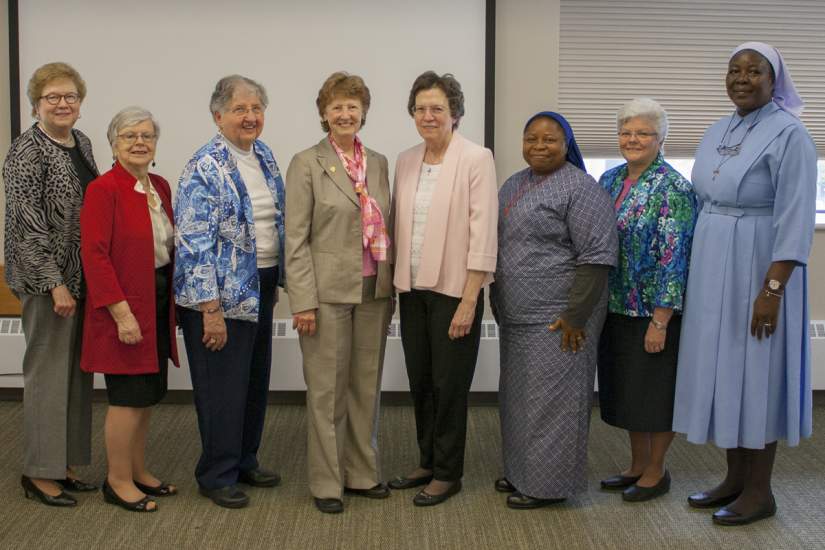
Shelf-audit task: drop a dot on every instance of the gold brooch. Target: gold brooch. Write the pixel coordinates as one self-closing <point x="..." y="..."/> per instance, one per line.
<point x="332" y="169"/>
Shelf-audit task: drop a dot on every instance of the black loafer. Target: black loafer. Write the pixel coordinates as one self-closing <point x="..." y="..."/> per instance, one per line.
<point x="76" y="485"/>
<point x="503" y="485"/>
<point x="423" y="498"/>
<point x="706" y="500"/>
<point x="729" y="518"/>
<point x="519" y="501"/>
<point x="227" y="497"/>
<point x="379" y="491"/>
<point x="259" y="478"/>
<point x="634" y="493"/>
<point x="614" y="483"/>
<point x="31" y="491"/>
<point x="401" y="483"/>
<point x="329" y="505"/>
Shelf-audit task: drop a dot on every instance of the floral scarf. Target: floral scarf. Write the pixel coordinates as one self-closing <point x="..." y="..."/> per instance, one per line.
<point x="372" y="220"/>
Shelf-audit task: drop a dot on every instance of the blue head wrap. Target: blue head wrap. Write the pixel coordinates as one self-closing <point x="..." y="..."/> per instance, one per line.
<point x="574" y="156"/>
<point x="784" y="90"/>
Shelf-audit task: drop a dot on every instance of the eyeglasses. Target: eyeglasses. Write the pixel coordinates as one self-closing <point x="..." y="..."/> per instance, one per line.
<point x="54" y="99"/>
<point x="435" y="110"/>
<point x="131" y="138"/>
<point x="641" y="136"/>
<point x="241" y="111"/>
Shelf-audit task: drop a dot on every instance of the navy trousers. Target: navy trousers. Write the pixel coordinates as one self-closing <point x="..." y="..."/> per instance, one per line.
<point x="230" y="388"/>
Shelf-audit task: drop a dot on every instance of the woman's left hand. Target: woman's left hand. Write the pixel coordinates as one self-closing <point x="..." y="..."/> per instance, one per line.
<point x="572" y="338"/>
<point x="655" y="339"/>
<point x="462" y="322"/>
<point x="765" y="315"/>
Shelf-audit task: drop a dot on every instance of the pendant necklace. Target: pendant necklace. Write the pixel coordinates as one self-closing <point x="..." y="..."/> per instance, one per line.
<point x="727" y="152"/>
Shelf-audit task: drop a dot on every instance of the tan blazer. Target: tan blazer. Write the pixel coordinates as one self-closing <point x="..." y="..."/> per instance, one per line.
<point x="323" y="228"/>
<point x="462" y="223"/>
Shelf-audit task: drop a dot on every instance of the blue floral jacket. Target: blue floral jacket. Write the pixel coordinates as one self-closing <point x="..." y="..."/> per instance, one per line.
<point x="215" y="232"/>
<point x="655" y="223"/>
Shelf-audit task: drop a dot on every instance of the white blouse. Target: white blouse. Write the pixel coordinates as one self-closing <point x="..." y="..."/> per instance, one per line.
<point x="263" y="206"/>
<point x="423" y="200"/>
<point x="163" y="235"/>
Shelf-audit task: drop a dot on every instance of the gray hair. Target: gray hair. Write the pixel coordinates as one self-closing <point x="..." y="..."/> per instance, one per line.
<point x="129" y="117"/>
<point x="644" y="107"/>
<point x="225" y="89"/>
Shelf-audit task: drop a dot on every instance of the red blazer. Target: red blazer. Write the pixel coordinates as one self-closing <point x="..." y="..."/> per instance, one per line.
<point x="117" y="250"/>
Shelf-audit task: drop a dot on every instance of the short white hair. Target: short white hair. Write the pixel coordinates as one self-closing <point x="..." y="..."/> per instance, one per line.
<point x="127" y="117"/>
<point x="644" y="107"/>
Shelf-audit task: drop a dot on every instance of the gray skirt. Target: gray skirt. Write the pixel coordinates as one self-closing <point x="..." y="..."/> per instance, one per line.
<point x="636" y="388"/>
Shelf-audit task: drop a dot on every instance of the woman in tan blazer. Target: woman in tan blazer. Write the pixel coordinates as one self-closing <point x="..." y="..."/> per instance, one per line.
<point x="339" y="281"/>
<point x="446" y="213"/>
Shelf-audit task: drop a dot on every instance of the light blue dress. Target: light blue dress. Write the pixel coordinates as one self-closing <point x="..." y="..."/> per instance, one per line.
<point x="731" y="388"/>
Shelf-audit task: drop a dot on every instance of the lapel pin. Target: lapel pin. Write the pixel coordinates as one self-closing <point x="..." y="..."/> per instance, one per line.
<point x="332" y="169"/>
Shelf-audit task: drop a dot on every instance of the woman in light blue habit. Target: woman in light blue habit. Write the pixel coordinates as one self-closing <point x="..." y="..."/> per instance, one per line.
<point x="743" y="381"/>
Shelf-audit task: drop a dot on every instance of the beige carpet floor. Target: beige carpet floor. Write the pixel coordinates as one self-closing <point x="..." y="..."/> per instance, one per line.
<point x="476" y="519"/>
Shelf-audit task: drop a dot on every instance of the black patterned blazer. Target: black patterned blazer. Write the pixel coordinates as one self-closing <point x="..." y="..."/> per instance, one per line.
<point x="43" y="199"/>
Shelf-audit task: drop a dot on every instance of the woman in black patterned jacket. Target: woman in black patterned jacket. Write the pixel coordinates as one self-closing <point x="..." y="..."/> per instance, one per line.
<point x="45" y="173"/>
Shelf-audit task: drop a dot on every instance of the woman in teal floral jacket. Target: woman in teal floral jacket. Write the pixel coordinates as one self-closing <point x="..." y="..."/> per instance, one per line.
<point x="655" y="214"/>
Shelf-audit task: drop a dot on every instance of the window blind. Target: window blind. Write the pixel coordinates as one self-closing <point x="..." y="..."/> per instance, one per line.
<point x="677" y="52"/>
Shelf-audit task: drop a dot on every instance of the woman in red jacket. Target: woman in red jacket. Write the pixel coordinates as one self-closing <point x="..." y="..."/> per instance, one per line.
<point x="126" y="241"/>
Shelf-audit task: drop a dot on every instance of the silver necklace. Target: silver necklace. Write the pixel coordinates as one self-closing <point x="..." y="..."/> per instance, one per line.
<point x="68" y="142"/>
<point x="727" y="152"/>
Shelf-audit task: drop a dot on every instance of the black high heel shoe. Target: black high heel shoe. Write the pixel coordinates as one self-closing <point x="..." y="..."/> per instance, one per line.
<point x="111" y="497"/>
<point x="31" y="491"/>
<point x="76" y="485"/>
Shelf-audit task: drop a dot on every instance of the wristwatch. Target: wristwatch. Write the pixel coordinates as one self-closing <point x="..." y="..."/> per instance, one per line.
<point x="774" y="285"/>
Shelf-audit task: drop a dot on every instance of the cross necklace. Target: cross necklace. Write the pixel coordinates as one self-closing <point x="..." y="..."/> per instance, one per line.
<point x="727" y="152"/>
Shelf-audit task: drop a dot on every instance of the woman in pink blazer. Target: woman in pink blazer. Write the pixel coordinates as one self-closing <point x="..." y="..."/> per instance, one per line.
<point x="446" y="214"/>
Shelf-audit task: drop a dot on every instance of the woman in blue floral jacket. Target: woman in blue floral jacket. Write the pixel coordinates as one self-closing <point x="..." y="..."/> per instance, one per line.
<point x="228" y="264"/>
<point x="655" y="214"/>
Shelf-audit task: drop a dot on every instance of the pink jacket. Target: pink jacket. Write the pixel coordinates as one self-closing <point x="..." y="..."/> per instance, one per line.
<point x="461" y="231"/>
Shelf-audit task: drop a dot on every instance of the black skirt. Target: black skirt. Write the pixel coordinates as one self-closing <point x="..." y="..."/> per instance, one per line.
<point x="145" y="390"/>
<point x="636" y="388"/>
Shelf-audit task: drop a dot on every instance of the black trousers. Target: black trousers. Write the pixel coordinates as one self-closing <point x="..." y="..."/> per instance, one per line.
<point x="230" y="387"/>
<point x="440" y="371"/>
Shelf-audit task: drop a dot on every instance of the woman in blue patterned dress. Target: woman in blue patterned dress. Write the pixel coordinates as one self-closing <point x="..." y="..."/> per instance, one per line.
<point x="557" y="242"/>
<point x="655" y="214"/>
<point x="744" y="379"/>
<point x="228" y="264"/>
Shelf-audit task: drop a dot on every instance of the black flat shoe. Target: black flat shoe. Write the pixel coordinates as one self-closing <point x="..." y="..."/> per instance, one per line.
<point x="259" y="478"/>
<point x="503" y="485"/>
<point x="423" y="498"/>
<point x="227" y="497"/>
<point x="76" y="485"/>
<point x="31" y="491"/>
<point x="519" y="501"/>
<point x="729" y="518"/>
<point x="706" y="500"/>
<point x="614" y="483"/>
<point x="634" y="493"/>
<point x="141" y="505"/>
<point x="329" y="505"/>
<point x="379" y="491"/>
<point x="401" y="483"/>
<point x="162" y="490"/>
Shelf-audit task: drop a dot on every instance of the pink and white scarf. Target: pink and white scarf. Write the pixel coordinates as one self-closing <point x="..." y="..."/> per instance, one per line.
<point x="372" y="220"/>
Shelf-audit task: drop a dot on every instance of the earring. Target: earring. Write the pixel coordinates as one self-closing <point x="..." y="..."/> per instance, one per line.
<point x="153" y="164"/>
